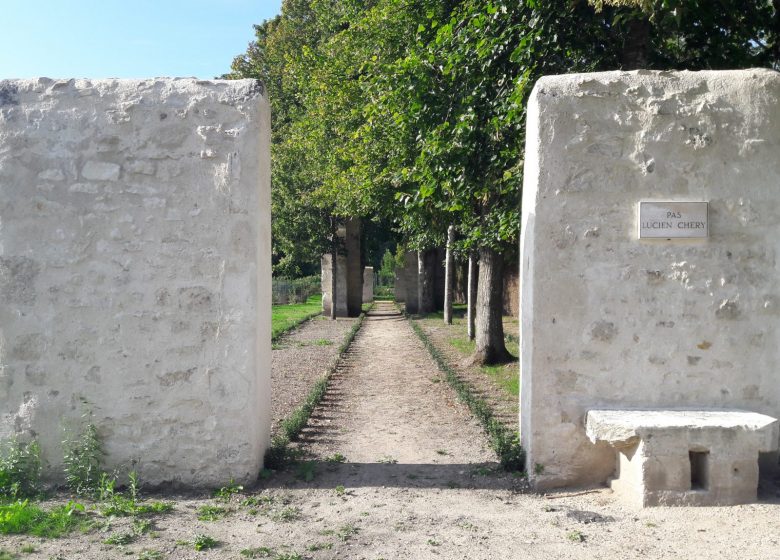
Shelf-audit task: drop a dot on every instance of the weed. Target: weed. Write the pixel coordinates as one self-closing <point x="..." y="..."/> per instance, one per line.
<point x="505" y="442"/>
<point x="482" y="471"/>
<point x="27" y="549"/>
<point x="228" y="490"/>
<point x="288" y="556"/>
<point x="20" y="470"/>
<point x="575" y="536"/>
<point x="538" y="468"/>
<point x="5" y="555"/>
<point x="651" y="524"/>
<point x="257" y="552"/>
<point x="253" y="501"/>
<point x="451" y="484"/>
<point x="326" y="532"/>
<point x="387" y="460"/>
<point x="442" y="452"/>
<point x="83" y="457"/>
<point x="306" y="471"/>
<point x="120" y="539"/>
<point x="118" y="504"/>
<point x="211" y="513"/>
<point x="147" y="554"/>
<point x="287" y="514"/>
<point x="319" y="546"/>
<point x="346" y="532"/>
<point x="141" y="526"/>
<point x="433" y="542"/>
<point x="21" y="518"/>
<point x="336" y="458"/>
<point x="340" y="490"/>
<point x="323" y="342"/>
<point x="204" y="542"/>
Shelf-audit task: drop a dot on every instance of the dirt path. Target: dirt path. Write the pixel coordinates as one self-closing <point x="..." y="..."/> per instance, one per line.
<point x="388" y="403"/>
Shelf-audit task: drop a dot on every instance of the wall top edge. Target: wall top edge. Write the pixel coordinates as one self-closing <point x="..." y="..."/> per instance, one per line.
<point x="234" y="89"/>
<point x="574" y="83"/>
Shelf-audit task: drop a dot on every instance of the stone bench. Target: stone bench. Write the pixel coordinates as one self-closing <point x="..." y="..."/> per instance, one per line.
<point x="685" y="457"/>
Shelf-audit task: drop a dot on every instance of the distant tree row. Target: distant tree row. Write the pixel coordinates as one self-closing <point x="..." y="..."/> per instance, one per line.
<point x="413" y="111"/>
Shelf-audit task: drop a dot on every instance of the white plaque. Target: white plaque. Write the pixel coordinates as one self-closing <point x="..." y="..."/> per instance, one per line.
<point x="673" y="220"/>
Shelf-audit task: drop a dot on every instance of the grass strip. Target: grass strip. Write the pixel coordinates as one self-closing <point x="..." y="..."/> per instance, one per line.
<point x="277" y="455"/>
<point x="284" y="318"/>
<point x="505" y="442"/>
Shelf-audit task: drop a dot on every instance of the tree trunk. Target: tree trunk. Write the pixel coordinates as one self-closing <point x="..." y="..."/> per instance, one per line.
<point x="426" y="275"/>
<point x="637" y="45"/>
<point x="471" y="294"/>
<point x="449" y="276"/>
<point x="490" y="328"/>
<point x="334" y="255"/>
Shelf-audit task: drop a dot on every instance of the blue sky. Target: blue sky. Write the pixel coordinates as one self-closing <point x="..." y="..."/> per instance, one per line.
<point x="126" y="39"/>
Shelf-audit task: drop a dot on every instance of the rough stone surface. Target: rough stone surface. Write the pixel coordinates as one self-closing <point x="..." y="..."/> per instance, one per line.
<point x="349" y="273"/>
<point x="406" y="282"/>
<point x="609" y="321"/>
<point x="685" y="457"/>
<point x="135" y="272"/>
<point x="368" y="284"/>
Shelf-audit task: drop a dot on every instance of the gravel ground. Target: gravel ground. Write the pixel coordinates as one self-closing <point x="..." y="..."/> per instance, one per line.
<point x="397" y="469"/>
<point x="299" y="358"/>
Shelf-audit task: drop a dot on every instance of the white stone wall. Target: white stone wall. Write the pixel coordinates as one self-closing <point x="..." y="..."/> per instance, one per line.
<point x="135" y="272"/>
<point x="609" y="321"/>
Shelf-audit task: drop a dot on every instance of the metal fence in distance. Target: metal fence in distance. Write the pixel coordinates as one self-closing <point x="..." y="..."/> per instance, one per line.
<point x="294" y="290"/>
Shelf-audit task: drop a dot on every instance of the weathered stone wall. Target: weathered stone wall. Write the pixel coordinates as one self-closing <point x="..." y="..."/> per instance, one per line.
<point x="341" y="284"/>
<point x="609" y="321"/>
<point x="368" y="284"/>
<point x="135" y="272"/>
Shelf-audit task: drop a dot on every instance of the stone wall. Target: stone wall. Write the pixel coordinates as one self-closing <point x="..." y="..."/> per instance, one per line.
<point x="609" y="321"/>
<point x="406" y="282"/>
<point x="135" y="272"/>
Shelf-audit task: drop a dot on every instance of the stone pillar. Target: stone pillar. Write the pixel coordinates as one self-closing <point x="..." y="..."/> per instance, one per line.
<point x="610" y="320"/>
<point x="368" y="284"/>
<point x="135" y="273"/>
<point x="341" y="284"/>
<point x="354" y="268"/>
<point x="406" y="277"/>
<point x="349" y="277"/>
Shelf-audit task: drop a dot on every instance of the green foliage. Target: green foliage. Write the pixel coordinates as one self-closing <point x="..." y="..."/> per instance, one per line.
<point x="20" y="470"/>
<point x="82" y="459"/>
<point x="24" y="518"/>
<point x="147" y="554"/>
<point x="118" y="504"/>
<point x="230" y="489"/>
<point x="204" y="542"/>
<point x="211" y="513"/>
<point x="504" y="442"/>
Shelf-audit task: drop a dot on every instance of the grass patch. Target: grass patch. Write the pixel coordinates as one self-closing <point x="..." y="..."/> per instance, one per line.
<point x="278" y="455"/>
<point x="287" y="317"/>
<point x="505" y="442"/>
<point x="504" y="375"/>
<point x="204" y="542"/>
<point x="24" y="518"/>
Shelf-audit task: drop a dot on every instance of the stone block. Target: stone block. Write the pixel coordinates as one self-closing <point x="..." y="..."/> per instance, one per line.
<point x="107" y="273"/>
<point x="685" y="457"/>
